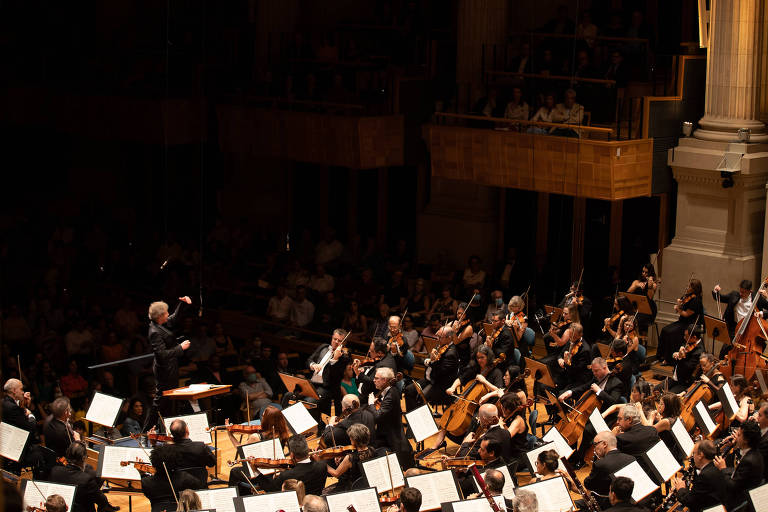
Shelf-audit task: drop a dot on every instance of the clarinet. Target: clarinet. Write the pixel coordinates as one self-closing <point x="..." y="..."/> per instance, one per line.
<point x="589" y="500"/>
<point x="688" y="474"/>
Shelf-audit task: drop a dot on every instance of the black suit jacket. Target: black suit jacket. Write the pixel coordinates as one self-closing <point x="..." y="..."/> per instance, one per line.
<point x="626" y="507"/>
<point x="637" y="440"/>
<point x="445" y="370"/>
<point x="192" y="454"/>
<point x="340" y="437"/>
<point x="157" y="489"/>
<point x="748" y="474"/>
<point x="57" y="437"/>
<point x="333" y="373"/>
<point x="88" y="494"/>
<point x="686" y="367"/>
<point x="708" y="489"/>
<point x="167" y="352"/>
<point x="599" y="478"/>
<point x="389" y="427"/>
<point x="577" y="373"/>
<point x="14" y="415"/>
<point x="312" y="473"/>
<point x="731" y="300"/>
<point x="609" y="395"/>
<point x="366" y="376"/>
<point x="763" y="449"/>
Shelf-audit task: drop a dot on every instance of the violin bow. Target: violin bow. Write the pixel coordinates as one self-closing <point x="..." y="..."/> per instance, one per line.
<point x="170" y="482"/>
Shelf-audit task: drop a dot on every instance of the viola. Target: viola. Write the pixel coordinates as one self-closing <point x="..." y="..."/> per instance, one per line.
<point x="397" y="338"/>
<point x="264" y="463"/>
<point x="237" y="429"/>
<point x="153" y="437"/>
<point x="459" y="462"/>
<point x="524" y="375"/>
<point x="518" y="409"/>
<point x="330" y="453"/>
<point x="614" y="318"/>
<point x="143" y="467"/>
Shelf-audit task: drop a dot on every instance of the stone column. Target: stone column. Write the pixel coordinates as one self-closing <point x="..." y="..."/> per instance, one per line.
<point x="734" y="70"/>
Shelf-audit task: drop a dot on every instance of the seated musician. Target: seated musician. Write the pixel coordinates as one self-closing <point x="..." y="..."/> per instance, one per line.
<point x="623" y="365"/>
<point x="398" y="346"/>
<point x="442" y="368"/>
<point x="489" y="427"/>
<point x="494" y="482"/>
<point x="741" y="392"/>
<point x="351" y="466"/>
<point x="667" y="411"/>
<point x="312" y="473"/>
<point x="547" y="463"/>
<point x="54" y="503"/>
<point x="57" y="431"/>
<point x="709" y="371"/>
<point x="573" y="362"/>
<point x="672" y="336"/>
<point x="272" y="423"/>
<point x="188" y="453"/>
<point x="632" y="437"/>
<point x="747" y="472"/>
<point x="157" y="487"/>
<point x="88" y="495"/>
<point x="577" y="298"/>
<point x="16" y="411"/>
<point x="389" y="418"/>
<point x="512" y="382"/>
<point x="382" y="358"/>
<point x="500" y="340"/>
<point x="640" y="397"/>
<point x="518" y="324"/>
<point x="620" y="496"/>
<point x="622" y="308"/>
<point x="646" y="284"/>
<point x="628" y="331"/>
<point x="559" y="333"/>
<point x="709" y="483"/>
<point x="512" y="409"/>
<point x="481" y="369"/>
<point x="686" y="360"/>
<point x="462" y="326"/>
<point x="336" y="434"/>
<point x="608" y="389"/>
<point x="609" y="460"/>
<point x="490" y="455"/>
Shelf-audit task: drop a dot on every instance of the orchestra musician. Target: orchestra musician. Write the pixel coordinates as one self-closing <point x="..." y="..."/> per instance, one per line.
<point x="609" y="460"/>
<point x="690" y="310"/>
<point x="157" y="488"/>
<point x="576" y="297"/>
<point x="547" y="463"/>
<point x="328" y="363"/>
<point x="632" y="437"/>
<point x="442" y="368"/>
<point x="667" y="411"/>
<point x="500" y="340"/>
<point x="398" y="345"/>
<point x="559" y="333"/>
<point x="738" y="303"/>
<point x="748" y="472"/>
<point x="55" y="503"/>
<point x="646" y="284"/>
<point x="518" y="324"/>
<point x="621" y="365"/>
<point x="312" y="472"/>
<point x="462" y="326"/>
<point x="58" y="431"/>
<point x="351" y="466"/>
<point x="337" y="432"/>
<point x="513" y="411"/>
<point x="686" y="361"/>
<point x="761" y="417"/>
<point x="709" y="373"/>
<point x="382" y="358"/>
<point x="493" y="428"/>
<point x="512" y="382"/>
<point x="741" y="389"/>
<point x="481" y="369"/>
<point x="611" y="325"/>
<point x="573" y="362"/>
<point x="389" y="417"/>
<point x="620" y="496"/>
<point x="88" y="493"/>
<point x="628" y="331"/>
<point x="709" y="483"/>
<point x="16" y="411"/>
<point x="187" y="453"/>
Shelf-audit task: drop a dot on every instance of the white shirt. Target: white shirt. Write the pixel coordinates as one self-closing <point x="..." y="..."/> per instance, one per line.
<point x="742" y="308"/>
<point x="302" y="312"/>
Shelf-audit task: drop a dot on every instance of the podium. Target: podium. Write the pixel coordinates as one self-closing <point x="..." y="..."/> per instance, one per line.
<point x="195" y="392"/>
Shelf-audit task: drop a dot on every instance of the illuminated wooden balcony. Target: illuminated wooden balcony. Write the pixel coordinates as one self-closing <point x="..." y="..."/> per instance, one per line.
<point x="596" y="169"/>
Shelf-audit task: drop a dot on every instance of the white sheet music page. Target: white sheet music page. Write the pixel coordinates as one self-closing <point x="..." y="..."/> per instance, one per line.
<point x="704" y="413"/>
<point x="104" y="409"/>
<point x="598" y="422"/>
<point x="759" y="497"/>
<point x="299" y="418"/>
<point x="683" y="439"/>
<point x="552" y="495"/>
<point x="533" y="454"/>
<point x="436" y="488"/>
<point x="716" y="508"/>
<point x="643" y="483"/>
<point x="364" y="500"/>
<point x="422" y="423"/>
<point x="33" y="498"/>
<point x="378" y="473"/>
<point x="285" y="500"/>
<point x="663" y="460"/>
<point x="561" y="445"/>
<point x="12" y="441"/>
<point x="509" y="484"/>
<point x="269" y="449"/>
<point x="197" y="425"/>
<point x="220" y="500"/>
<point x="478" y="505"/>
<point x="730" y="398"/>
<point x="109" y="462"/>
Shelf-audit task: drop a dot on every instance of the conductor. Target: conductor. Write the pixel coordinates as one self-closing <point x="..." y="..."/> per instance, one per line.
<point x="167" y="351"/>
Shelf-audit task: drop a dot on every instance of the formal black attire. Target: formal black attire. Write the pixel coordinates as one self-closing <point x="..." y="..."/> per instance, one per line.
<point x="439" y="376"/>
<point x="503" y="344"/>
<point x="672" y="336"/>
<point x="362" y="415"/>
<point x="731" y="300"/>
<point x="637" y="440"/>
<point x="33" y="455"/>
<point x="312" y="473"/>
<point x="158" y="491"/>
<point x="389" y="426"/>
<point x="599" y="478"/>
<point x="365" y="379"/>
<point x="58" y="436"/>
<point x="763" y="449"/>
<point x="166" y="365"/>
<point x="576" y="373"/>
<point x="624" y="506"/>
<point x="333" y="372"/>
<point x="88" y="494"/>
<point x="747" y="475"/>
<point x="192" y="454"/>
<point x="707" y="490"/>
<point x="685" y="369"/>
<point x="609" y="395"/>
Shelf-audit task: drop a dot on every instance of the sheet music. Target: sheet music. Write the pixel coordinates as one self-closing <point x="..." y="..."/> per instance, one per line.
<point x="709" y="425"/>
<point x="422" y="423"/>
<point x="561" y="445"/>
<point x="509" y="484"/>
<point x="377" y="473"/>
<point x="730" y="399"/>
<point x="552" y="495"/>
<point x="12" y="441"/>
<point x="533" y="454"/>
<point x="299" y="419"/>
<point x="198" y="388"/>
<point x="104" y="409"/>
<point x="684" y="441"/>
<point x="643" y="483"/>
<point x="478" y="505"/>
<point x="220" y="500"/>
<point x="716" y="508"/>
<point x="436" y="488"/>
<point x="269" y="449"/>
<point x="662" y="459"/>
<point x="285" y="500"/>
<point x="197" y="425"/>
<point x="109" y="462"/>
<point x="761" y="380"/>
<point x="759" y="497"/>
<point x="33" y="498"/>
<point x="598" y="422"/>
<point x="364" y="500"/>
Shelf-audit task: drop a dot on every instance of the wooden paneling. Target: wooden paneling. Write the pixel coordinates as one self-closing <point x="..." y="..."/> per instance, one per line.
<point x="355" y="142"/>
<point x="560" y="165"/>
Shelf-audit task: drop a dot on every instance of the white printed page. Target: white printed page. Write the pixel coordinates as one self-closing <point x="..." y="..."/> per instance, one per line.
<point x="269" y="449"/>
<point x="378" y="473"/>
<point x="109" y="462"/>
<point x="36" y="492"/>
<point x="759" y="497"/>
<point x="598" y="422"/>
<point x="364" y="500"/>
<point x="552" y="495"/>
<point x="299" y="418"/>
<point x="726" y="389"/>
<point x="104" y="409"/>
<point x="478" y="505"/>
<point x="436" y="488"/>
<point x="12" y="441"/>
<point x="643" y="483"/>
<point x="683" y="439"/>
<point x="286" y="501"/>
<point x="561" y="445"/>
<point x="220" y="500"/>
<point x="662" y="459"/>
<point x="709" y="425"/>
<point x="422" y="423"/>
<point x="197" y="425"/>
<point x="509" y="484"/>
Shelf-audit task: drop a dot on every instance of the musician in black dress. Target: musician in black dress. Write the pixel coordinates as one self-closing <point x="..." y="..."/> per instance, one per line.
<point x="686" y="361"/>
<point x="442" y="368"/>
<point x="481" y="368"/>
<point x="351" y="466"/>
<point x="646" y="285"/>
<point x="690" y="310"/>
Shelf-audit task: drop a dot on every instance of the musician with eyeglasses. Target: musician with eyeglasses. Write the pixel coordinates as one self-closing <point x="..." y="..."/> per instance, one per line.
<point x="708" y="486"/>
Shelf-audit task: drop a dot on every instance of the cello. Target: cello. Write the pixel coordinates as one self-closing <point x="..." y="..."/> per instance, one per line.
<point x="748" y="343"/>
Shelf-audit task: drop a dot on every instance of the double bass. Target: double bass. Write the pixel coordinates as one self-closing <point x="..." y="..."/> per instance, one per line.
<point x="748" y="343"/>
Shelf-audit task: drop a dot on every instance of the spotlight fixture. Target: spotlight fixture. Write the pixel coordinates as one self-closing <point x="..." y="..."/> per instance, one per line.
<point x="687" y="128"/>
<point x="727" y="179"/>
<point x="744" y="134"/>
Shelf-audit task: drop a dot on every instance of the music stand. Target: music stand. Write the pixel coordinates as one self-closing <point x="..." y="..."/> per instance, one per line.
<point x="290" y="382"/>
<point x="554" y="313"/>
<point x="604" y="350"/>
<point x="717" y="330"/>
<point x="544" y="376"/>
<point x="639" y="302"/>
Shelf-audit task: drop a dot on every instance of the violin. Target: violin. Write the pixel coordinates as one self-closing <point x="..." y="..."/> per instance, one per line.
<point x="153" y="437"/>
<point x="459" y="463"/>
<point x="143" y="467"/>
<point x="568" y="356"/>
<point x="264" y="463"/>
<point x="613" y="319"/>
<point x="236" y="429"/>
<point x="35" y="509"/>
<point x="518" y="409"/>
<point x="440" y="351"/>
<point x="330" y="453"/>
<point x="366" y="361"/>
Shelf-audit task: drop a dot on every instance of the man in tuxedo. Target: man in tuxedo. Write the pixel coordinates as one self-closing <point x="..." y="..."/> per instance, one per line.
<point x="632" y="437"/>
<point x="16" y="404"/>
<point x="571" y="368"/>
<point x="365" y="374"/>
<point x="88" y="493"/>
<point x="312" y="473"/>
<point x="708" y="488"/>
<point x="388" y="416"/>
<point x="57" y="431"/>
<point x="157" y="488"/>
<point x="504" y="343"/>
<point x="336" y="431"/>
<point x="440" y="374"/>
<point x="167" y="353"/>
<point x="748" y="472"/>
<point x="187" y="453"/>
<point x="328" y="363"/>
<point x="609" y="461"/>
<point x="738" y="303"/>
<point x="488" y="419"/>
<point x="621" y="496"/>
<point x="686" y="361"/>
<point x="761" y="416"/>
